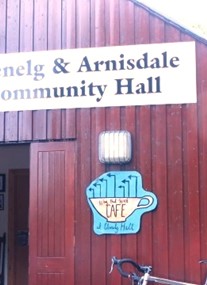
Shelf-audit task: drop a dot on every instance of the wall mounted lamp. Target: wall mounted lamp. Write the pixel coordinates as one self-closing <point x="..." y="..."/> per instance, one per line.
<point x="115" y="147"/>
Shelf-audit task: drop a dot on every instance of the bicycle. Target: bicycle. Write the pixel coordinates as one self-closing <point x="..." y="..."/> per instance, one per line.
<point x="146" y="270"/>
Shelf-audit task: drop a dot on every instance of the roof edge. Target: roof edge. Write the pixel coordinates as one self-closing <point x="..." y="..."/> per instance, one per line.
<point x="171" y="22"/>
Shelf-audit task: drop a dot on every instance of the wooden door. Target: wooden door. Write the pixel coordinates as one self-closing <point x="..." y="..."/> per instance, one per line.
<point x="51" y="214"/>
<point x="18" y="227"/>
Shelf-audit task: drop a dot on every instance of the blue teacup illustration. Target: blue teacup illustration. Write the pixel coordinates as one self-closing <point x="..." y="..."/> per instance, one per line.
<point x="118" y="200"/>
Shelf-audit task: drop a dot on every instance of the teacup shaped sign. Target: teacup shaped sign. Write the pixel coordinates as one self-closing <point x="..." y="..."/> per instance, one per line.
<point x="118" y="201"/>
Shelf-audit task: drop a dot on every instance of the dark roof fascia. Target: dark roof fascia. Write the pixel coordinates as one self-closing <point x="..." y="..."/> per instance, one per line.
<point x="170" y="22"/>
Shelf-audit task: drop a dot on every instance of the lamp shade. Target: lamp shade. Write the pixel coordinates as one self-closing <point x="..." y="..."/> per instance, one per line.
<point x="115" y="147"/>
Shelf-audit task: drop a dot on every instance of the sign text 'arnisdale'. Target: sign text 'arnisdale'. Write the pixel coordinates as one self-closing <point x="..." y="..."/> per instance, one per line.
<point x="98" y="77"/>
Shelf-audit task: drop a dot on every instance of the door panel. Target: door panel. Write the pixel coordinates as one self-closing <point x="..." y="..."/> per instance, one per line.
<point x="51" y="214"/>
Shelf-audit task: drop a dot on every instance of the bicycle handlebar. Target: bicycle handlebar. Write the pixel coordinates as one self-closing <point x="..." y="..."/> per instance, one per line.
<point x="143" y="280"/>
<point x="120" y="262"/>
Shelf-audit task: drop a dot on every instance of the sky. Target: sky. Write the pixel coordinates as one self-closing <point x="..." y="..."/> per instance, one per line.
<point x="189" y="13"/>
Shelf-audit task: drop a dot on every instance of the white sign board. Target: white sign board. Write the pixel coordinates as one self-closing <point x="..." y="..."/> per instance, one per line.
<point x="99" y="77"/>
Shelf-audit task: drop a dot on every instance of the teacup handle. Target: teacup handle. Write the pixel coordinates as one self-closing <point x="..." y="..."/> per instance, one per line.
<point x="150" y="201"/>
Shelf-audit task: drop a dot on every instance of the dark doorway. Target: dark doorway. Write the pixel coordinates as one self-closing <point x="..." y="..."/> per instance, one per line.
<point x="18" y="227"/>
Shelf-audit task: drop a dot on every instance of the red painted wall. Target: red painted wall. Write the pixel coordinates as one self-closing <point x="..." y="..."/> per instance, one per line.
<point x="169" y="142"/>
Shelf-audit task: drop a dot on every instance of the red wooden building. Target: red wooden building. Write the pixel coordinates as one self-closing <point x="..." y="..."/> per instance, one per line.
<point x="169" y="150"/>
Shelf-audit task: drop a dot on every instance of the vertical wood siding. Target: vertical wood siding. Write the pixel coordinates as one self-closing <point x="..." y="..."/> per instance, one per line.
<point x="169" y="142"/>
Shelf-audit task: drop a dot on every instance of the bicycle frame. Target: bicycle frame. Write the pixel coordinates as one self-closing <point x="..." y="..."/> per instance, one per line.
<point x="147" y="277"/>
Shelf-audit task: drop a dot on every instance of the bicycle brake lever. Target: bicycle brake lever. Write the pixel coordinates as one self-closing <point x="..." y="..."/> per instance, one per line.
<point x="203" y="261"/>
<point x="112" y="265"/>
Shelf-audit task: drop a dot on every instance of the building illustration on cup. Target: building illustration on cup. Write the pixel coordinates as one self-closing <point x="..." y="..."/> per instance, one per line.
<point x="118" y="201"/>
